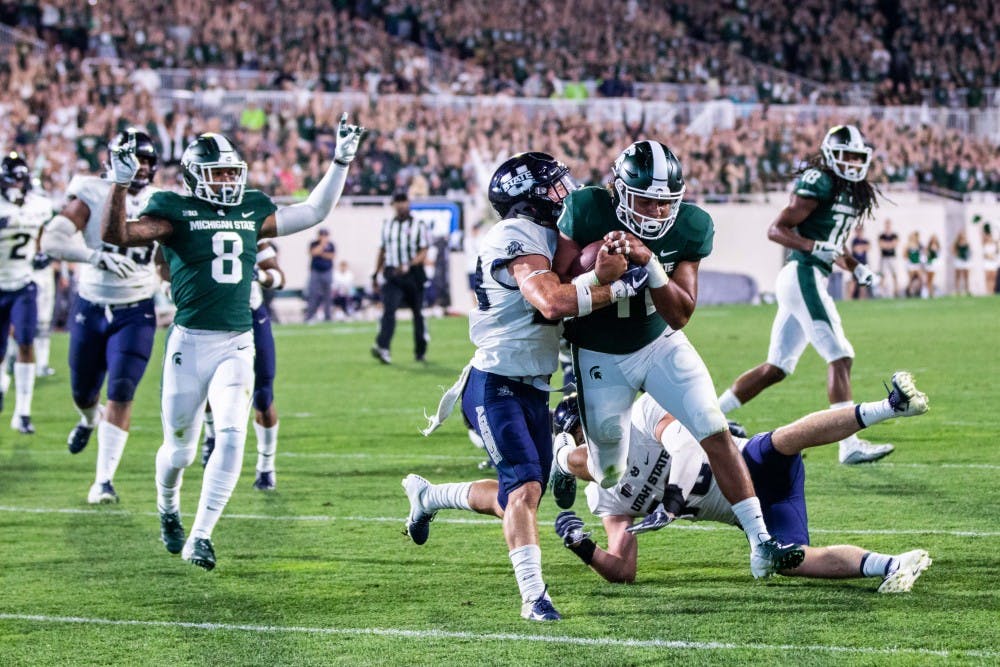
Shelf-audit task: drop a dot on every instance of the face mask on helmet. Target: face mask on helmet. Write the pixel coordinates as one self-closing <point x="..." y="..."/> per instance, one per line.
<point x="649" y="187"/>
<point x="214" y="171"/>
<point x="846" y="153"/>
<point x="145" y="153"/>
<point x="533" y="185"/>
<point x="15" y="178"/>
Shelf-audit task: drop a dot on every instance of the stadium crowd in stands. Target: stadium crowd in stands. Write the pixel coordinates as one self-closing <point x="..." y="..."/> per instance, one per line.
<point x="906" y="49"/>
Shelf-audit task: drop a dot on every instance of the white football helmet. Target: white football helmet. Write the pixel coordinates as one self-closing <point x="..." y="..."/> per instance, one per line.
<point x="845" y="141"/>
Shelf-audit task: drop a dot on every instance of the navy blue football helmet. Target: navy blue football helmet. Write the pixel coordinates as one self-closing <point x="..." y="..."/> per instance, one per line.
<point x="566" y="416"/>
<point x="15" y="178"/>
<point x="533" y="185"/>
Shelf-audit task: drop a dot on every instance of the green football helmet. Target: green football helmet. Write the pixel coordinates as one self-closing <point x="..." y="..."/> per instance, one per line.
<point x="847" y="153"/>
<point x="204" y="164"/>
<point x="647" y="170"/>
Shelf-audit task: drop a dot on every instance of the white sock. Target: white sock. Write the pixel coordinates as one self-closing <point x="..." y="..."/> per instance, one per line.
<point x="42" y="347"/>
<point x="110" y="445"/>
<point x="221" y="474"/>
<point x="527" y="561"/>
<point x="750" y="516"/>
<point x="267" y="445"/>
<point x="89" y="416"/>
<point x="873" y="413"/>
<point x="209" y="425"/>
<point x="728" y="401"/>
<point x="24" y="387"/>
<point x="564" y="444"/>
<point x="874" y="564"/>
<point x="453" y="496"/>
<point x="168" y="481"/>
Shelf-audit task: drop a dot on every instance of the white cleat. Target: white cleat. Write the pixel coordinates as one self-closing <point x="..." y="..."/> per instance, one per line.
<point x="102" y="493"/>
<point x="418" y="523"/>
<point x="909" y="568"/>
<point x="863" y="451"/>
<point x="904" y="397"/>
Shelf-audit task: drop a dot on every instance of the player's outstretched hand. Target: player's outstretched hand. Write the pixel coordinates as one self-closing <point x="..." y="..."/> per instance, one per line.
<point x="348" y="140"/>
<point x="124" y="163"/>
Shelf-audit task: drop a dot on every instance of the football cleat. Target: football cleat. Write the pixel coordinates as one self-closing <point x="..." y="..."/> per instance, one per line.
<point x="563" y="487"/>
<point x="78" y="438"/>
<point x="45" y="372"/>
<point x="171" y="531"/>
<point x="904" y="397"/>
<point x="418" y="522"/>
<point x="540" y="609"/>
<point x="862" y="451"/>
<point x="207" y="448"/>
<point x="381" y="354"/>
<point x="909" y="567"/>
<point x="102" y="493"/>
<point x="22" y="424"/>
<point x="265" y="481"/>
<point x="770" y="556"/>
<point x="198" y="551"/>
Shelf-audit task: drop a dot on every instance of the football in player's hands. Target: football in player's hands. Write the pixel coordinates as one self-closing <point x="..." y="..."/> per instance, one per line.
<point x="586" y="260"/>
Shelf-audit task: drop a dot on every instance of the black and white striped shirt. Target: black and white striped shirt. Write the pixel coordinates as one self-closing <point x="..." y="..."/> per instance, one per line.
<point x="402" y="240"/>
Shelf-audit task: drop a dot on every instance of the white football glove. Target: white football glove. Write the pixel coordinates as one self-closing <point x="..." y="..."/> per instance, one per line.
<point x="629" y="284"/>
<point x="825" y="252"/>
<point x="124" y="163"/>
<point x="864" y="276"/>
<point x="120" y="265"/>
<point x="348" y="140"/>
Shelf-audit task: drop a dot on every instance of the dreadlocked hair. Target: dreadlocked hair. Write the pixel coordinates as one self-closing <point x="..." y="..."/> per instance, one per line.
<point x="865" y="195"/>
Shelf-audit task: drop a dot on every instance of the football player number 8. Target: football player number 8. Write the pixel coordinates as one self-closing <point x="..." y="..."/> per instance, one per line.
<point x="226" y="267"/>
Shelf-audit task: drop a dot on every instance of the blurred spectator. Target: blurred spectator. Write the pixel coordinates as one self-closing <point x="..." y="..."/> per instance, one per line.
<point x="888" y="265"/>
<point x="859" y="251"/>
<point x="961" y="257"/>
<point x="932" y="257"/>
<point x="345" y="291"/>
<point x="914" y="265"/>
<point x="991" y="259"/>
<point x="321" y="255"/>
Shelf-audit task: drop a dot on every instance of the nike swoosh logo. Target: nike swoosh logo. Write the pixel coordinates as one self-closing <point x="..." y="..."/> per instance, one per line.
<point x="247" y="214"/>
<point x="667" y="254"/>
<point x="148" y="316"/>
<point x="646" y="462"/>
<point x="262" y="320"/>
<point x="243" y="348"/>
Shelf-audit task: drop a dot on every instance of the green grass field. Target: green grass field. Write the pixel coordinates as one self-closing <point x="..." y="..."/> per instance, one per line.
<point x="319" y="571"/>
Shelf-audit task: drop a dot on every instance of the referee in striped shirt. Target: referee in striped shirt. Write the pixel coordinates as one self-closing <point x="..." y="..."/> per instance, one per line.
<point x="401" y="256"/>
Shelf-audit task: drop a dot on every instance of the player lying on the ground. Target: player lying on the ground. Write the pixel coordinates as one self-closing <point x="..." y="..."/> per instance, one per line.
<point x="669" y="478"/>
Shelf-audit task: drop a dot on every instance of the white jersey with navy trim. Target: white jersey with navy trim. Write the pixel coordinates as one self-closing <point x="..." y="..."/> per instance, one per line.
<point x="510" y="335"/>
<point x="19" y="229"/>
<point x="679" y="460"/>
<point x="101" y="286"/>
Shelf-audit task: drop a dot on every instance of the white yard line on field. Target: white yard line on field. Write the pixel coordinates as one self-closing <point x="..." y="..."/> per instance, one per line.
<point x="481" y="521"/>
<point x="434" y="634"/>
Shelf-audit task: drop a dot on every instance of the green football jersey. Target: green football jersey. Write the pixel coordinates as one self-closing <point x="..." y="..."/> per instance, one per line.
<point x="831" y="221"/>
<point x="211" y="253"/>
<point x="588" y="214"/>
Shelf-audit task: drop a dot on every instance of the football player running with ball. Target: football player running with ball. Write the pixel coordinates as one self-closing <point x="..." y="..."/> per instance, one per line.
<point x="209" y="239"/>
<point x="831" y="197"/>
<point x="505" y="390"/>
<point x="113" y="322"/>
<point x="638" y="345"/>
